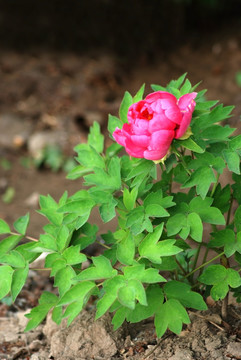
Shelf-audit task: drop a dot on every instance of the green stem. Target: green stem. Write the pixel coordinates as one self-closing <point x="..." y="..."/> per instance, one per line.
<point x="105" y="246"/>
<point x="181" y="267"/>
<point x="204" y="264"/>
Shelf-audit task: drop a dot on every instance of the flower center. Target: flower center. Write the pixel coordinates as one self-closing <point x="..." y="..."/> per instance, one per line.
<point x="146" y="115"/>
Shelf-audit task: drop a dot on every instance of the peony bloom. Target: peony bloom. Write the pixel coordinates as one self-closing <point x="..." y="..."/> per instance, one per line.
<point x="153" y="123"/>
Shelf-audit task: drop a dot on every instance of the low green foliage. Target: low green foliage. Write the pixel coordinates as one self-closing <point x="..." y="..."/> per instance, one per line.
<point x="150" y="264"/>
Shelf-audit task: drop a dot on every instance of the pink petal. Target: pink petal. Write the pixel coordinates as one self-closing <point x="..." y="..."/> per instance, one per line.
<point x="160" y="95"/>
<point x="161" y="140"/>
<point x="187" y="100"/>
<point x="160" y="122"/>
<point x="186" y="120"/>
<point x="173" y="113"/>
<point x="134" y="150"/>
<point x="140" y="140"/>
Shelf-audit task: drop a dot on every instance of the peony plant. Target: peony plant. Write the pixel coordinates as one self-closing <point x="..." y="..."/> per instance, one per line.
<point x="160" y="196"/>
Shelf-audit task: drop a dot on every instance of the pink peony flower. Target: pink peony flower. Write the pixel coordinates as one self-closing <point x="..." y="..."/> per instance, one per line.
<point x="153" y="123"/>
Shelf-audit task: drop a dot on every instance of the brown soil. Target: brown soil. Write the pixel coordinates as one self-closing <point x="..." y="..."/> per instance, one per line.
<point x="64" y="93"/>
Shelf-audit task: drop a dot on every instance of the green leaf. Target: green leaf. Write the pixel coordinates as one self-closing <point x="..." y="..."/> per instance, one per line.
<point x="214" y="274"/>
<point x="217" y="114"/>
<point x="73" y="256"/>
<point x="9" y="243"/>
<point x="13" y="258"/>
<point x="4" y="228"/>
<point x="191" y="145"/>
<point x="126" y="296"/>
<point x="80" y="206"/>
<point x="156" y="210"/>
<point x="182" y="292"/>
<point x="107" y="210"/>
<point x="63" y="238"/>
<point x="126" y="249"/>
<point x="171" y="315"/>
<point x="233" y="278"/>
<point x="202" y="178"/>
<point x="111" y="287"/>
<point x="119" y="317"/>
<point x="95" y="138"/>
<point x="37" y="314"/>
<point x="235" y="143"/>
<point x="21" y="224"/>
<point x="237" y="219"/>
<point x="153" y="249"/>
<point x="6" y="273"/>
<point x="57" y="315"/>
<point x="139" y="94"/>
<point x="89" y="157"/>
<point x="63" y="279"/>
<point x="124" y="107"/>
<point x="77" y="292"/>
<point x="233" y="160"/>
<point x="73" y="310"/>
<point x="219" y="291"/>
<point x="113" y="123"/>
<point x="217" y="132"/>
<point x="18" y="281"/>
<point x="129" y="198"/>
<point x="196" y="226"/>
<point x="139" y="272"/>
<point x="212" y="215"/>
<point x="77" y="172"/>
<point x="175" y="223"/>
<point x="102" y="269"/>
<point x="155" y="297"/>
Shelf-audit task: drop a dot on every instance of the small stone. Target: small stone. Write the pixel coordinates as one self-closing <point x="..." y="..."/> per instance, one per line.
<point x="234" y="350"/>
<point x="32" y="200"/>
<point x="35" y="345"/>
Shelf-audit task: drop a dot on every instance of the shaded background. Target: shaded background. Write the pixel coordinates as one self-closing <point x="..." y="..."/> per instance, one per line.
<point x="65" y="64"/>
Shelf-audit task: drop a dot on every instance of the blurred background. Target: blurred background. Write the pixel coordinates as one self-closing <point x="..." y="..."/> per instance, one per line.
<point x="66" y="64"/>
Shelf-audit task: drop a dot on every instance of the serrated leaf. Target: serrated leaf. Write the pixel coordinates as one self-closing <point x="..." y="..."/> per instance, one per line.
<point x="21" y="224"/>
<point x="102" y="269"/>
<point x="89" y="157"/>
<point x="170" y="315"/>
<point x="182" y="292"/>
<point x="126" y="249"/>
<point x="18" y="281"/>
<point x="4" y="228"/>
<point x="124" y="107"/>
<point x="95" y="138"/>
<point x="73" y="256"/>
<point x="6" y="273"/>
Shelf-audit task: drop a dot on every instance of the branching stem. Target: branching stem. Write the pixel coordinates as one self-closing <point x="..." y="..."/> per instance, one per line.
<point x="204" y="264"/>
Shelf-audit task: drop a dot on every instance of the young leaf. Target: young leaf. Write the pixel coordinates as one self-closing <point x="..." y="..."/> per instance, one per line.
<point x="129" y="198"/>
<point x="120" y="317"/>
<point x="139" y="94"/>
<point x="191" y="145"/>
<point x="196" y="226"/>
<point x="13" y="258"/>
<point x="107" y="210"/>
<point x="21" y="224"/>
<point x="9" y="243"/>
<point x="113" y="123"/>
<point x="63" y="279"/>
<point x="73" y="256"/>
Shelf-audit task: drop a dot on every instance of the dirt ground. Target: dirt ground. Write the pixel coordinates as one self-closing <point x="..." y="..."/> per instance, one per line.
<point x="53" y="98"/>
